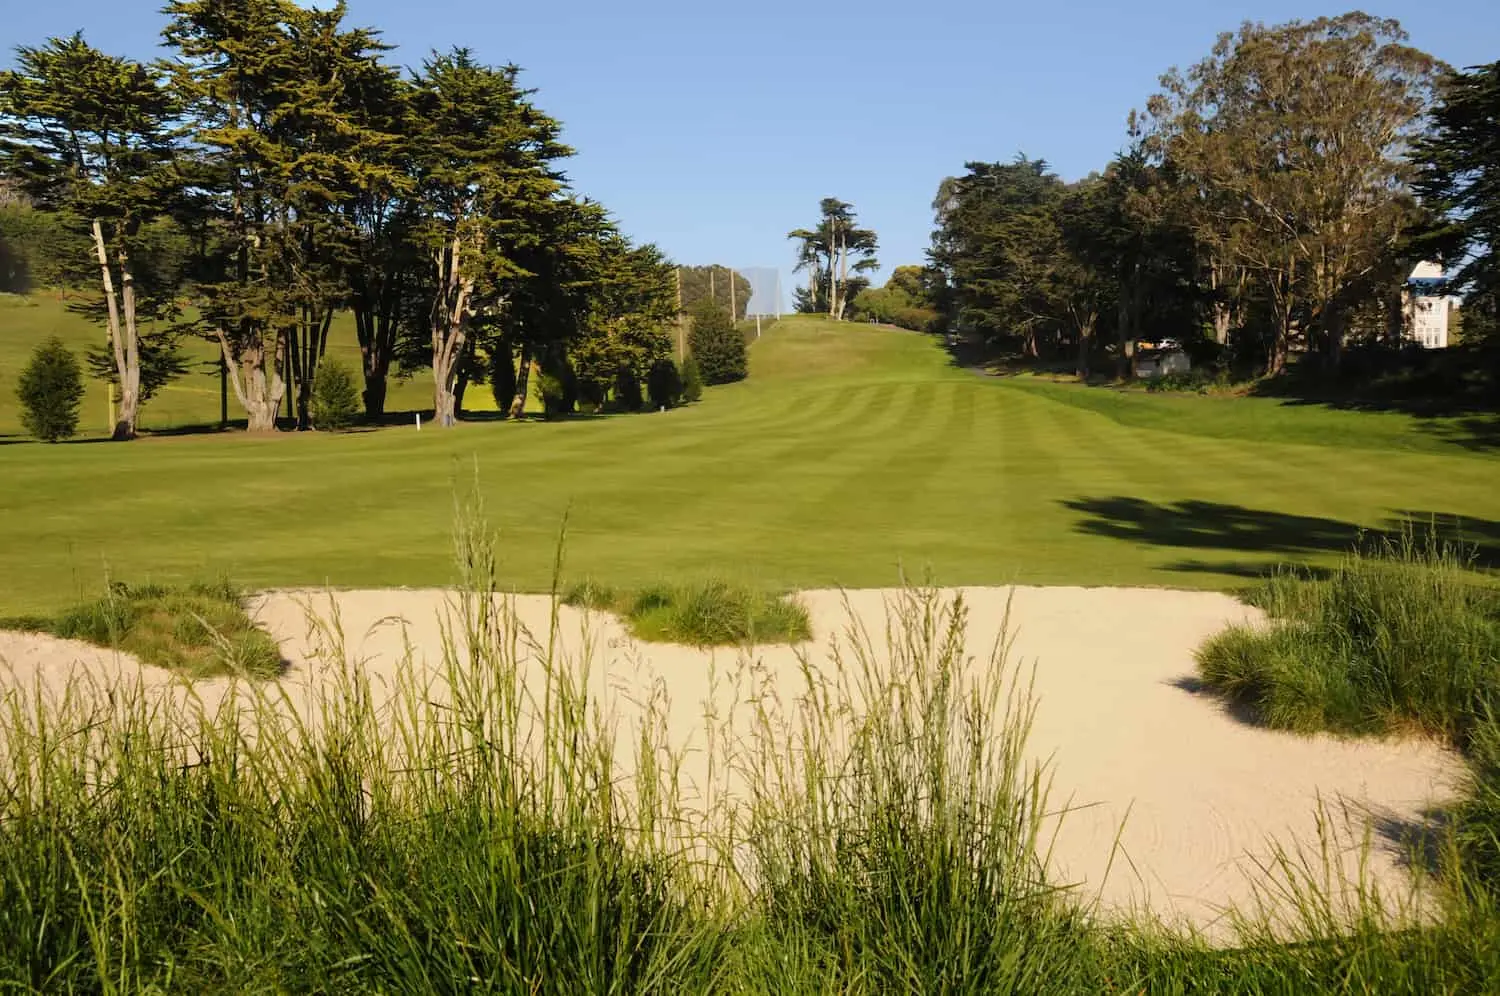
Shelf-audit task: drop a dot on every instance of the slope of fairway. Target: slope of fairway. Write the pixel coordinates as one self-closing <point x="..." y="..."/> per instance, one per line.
<point x="852" y="453"/>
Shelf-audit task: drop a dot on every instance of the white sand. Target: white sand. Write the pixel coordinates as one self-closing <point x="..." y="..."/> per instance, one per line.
<point x="1199" y="792"/>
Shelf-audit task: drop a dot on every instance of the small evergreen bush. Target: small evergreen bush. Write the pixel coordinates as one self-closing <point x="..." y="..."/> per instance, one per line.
<point x="556" y="387"/>
<point x="692" y="381"/>
<point x="628" y="392"/>
<point x="502" y="375"/>
<point x="717" y="345"/>
<point x="50" y="390"/>
<point x="664" y="384"/>
<point x="335" y="398"/>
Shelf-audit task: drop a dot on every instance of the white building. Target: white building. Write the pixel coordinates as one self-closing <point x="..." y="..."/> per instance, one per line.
<point x="1428" y="308"/>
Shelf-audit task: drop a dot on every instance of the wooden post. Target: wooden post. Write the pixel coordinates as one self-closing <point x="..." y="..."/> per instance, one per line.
<point x="681" y="353"/>
<point x="223" y="392"/>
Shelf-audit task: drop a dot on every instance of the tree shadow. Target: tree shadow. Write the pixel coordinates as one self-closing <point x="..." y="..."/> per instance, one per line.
<point x="1419" y="844"/>
<point x="1204" y="525"/>
<point x="1207" y="525"/>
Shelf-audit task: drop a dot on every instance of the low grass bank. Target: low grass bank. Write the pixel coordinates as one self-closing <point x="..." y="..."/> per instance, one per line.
<point x="198" y="630"/>
<point x="708" y="614"/>
<point x="1401" y="637"/>
<point x="891" y="841"/>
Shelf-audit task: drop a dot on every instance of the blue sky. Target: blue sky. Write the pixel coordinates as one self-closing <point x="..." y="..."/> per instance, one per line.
<point x="714" y="128"/>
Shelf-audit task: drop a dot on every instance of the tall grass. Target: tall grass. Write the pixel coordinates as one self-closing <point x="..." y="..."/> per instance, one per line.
<point x="1402" y="634"/>
<point x="485" y="825"/>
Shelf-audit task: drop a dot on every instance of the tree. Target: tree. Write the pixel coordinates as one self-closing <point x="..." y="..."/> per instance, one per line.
<point x="50" y="390"/>
<point x="335" y="397"/>
<point x="484" y="157"/>
<point x="280" y="96"/>
<point x="829" y="252"/>
<point x="718" y="348"/>
<point x="1296" y="136"/>
<point x="996" y="240"/>
<point x="1460" y="179"/>
<point x="692" y="381"/>
<point x="93" y="139"/>
<point x="664" y="384"/>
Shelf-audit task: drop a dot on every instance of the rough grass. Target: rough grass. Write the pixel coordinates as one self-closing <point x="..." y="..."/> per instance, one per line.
<point x="705" y="614"/>
<point x="1398" y="636"/>
<point x="1402" y="636"/>
<point x="488" y="844"/>
<point x="198" y="630"/>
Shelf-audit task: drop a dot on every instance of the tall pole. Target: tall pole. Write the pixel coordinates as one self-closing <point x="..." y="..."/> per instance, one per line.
<point x="734" y="315"/>
<point x="681" y="354"/>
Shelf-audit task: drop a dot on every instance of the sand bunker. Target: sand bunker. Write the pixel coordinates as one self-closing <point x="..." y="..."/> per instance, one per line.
<point x="1192" y="794"/>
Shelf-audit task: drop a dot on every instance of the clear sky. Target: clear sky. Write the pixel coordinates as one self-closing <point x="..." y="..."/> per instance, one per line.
<point x="714" y="128"/>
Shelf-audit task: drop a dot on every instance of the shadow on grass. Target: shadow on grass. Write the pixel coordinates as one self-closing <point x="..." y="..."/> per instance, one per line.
<point x="1204" y="525"/>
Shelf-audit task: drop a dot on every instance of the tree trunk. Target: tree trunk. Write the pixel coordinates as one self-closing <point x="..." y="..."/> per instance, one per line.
<point x="1125" y="325"/>
<point x="523" y="379"/>
<point x="1221" y="308"/>
<point x="255" y="375"/>
<point x="449" y="328"/>
<point x="374" y="393"/>
<point x="1332" y="324"/>
<point x="1085" y="339"/>
<point x="126" y="354"/>
<point x="1276" y="353"/>
<point x="1395" y="316"/>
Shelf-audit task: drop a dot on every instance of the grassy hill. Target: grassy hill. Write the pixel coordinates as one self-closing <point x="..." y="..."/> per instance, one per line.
<point x="851" y="454"/>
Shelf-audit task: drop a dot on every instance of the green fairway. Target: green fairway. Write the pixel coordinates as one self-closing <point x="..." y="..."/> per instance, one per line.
<point x="852" y="452"/>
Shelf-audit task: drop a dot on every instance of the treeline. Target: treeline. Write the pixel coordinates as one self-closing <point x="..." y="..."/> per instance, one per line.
<point x="1272" y="201"/>
<point x="275" y="171"/>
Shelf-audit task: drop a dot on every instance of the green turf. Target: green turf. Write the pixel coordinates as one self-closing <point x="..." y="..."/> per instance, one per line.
<point x="851" y="453"/>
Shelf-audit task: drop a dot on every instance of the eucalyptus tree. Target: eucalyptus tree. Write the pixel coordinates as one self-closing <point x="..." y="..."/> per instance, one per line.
<point x="1298" y="136"/>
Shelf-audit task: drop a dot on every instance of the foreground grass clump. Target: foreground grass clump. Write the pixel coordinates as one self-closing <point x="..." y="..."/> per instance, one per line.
<point x="478" y="835"/>
<point x="1398" y="636"/>
<point x="198" y="630"/>
<point x="1401" y="637"/>
<point x="712" y="613"/>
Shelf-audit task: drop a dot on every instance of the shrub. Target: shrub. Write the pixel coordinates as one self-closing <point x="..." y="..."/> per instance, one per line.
<point x="628" y="392"/>
<point x="664" y="384"/>
<point x="50" y="390"/>
<point x="557" y="391"/>
<point x="502" y="377"/>
<point x="692" y="381"/>
<point x="335" y="396"/>
<point x="717" y="345"/>
<point x="198" y="630"/>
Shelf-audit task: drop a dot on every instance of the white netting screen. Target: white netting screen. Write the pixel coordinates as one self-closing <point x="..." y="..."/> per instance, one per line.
<point x="765" y="290"/>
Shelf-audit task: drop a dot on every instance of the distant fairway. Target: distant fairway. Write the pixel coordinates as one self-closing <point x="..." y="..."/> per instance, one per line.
<point x="850" y="454"/>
